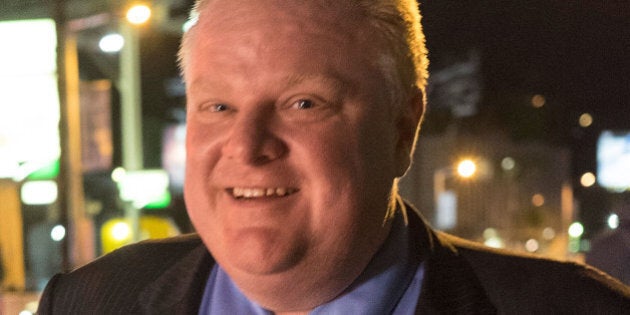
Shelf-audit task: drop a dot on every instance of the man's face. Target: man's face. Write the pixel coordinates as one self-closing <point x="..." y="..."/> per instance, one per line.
<point x="292" y="143"/>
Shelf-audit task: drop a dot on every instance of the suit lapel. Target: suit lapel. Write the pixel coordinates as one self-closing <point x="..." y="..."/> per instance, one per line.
<point x="450" y="285"/>
<point x="179" y="290"/>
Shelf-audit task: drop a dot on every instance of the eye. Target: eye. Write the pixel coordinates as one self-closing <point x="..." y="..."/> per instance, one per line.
<point x="218" y="107"/>
<point x="303" y="104"/>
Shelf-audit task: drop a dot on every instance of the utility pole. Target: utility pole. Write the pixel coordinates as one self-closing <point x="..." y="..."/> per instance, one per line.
<point x="70" y="180"/>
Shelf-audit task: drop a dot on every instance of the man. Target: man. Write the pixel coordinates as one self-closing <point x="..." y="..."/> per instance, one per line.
<point x="301" y="117"/>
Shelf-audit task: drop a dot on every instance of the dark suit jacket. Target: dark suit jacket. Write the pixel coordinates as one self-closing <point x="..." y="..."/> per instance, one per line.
<point x="168" y="277"/>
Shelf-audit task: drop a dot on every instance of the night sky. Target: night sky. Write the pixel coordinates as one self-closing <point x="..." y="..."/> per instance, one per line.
<point x="575" y="53"/>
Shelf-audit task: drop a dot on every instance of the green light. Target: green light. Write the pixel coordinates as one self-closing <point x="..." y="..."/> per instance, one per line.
<point x="48" y="171"/>
<point x="576" y="229"/>
<point x="160" y="203"/>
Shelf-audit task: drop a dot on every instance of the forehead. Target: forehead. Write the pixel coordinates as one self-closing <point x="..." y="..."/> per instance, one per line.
<point x="324" y="15"/>
<point x="242" y="33"/>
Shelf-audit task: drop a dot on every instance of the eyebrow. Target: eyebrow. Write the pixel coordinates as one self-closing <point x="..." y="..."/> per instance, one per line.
<point x="333" y="81"/>
<point x="340" y="85"/>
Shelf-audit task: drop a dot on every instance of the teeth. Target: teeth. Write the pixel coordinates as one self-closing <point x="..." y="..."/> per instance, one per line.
<point x="261" y="192"/>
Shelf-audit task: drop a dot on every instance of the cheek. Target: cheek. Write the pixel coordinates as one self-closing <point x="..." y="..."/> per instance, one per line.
<point x="202" y="153"/>
<point x="203" y="148"/>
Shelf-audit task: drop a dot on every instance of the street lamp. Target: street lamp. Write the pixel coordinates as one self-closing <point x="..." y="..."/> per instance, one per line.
<point x="445" y="200"/>
<point x="131" y="101"/>
<point x="138" y="14"/>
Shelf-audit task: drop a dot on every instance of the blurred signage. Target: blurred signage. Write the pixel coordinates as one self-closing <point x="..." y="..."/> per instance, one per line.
<point x="174" y="154"/>
<point x="96" y="122"/>
<point x="116" y="232"/>
<point x="613" y="160"/>
<point x="457" y="86"/>
<point x="145" y="188"/>
<point x="29" y="102"/>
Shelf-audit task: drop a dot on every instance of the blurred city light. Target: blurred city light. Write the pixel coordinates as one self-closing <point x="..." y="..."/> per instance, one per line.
<point x="538" y="101"/>
<point x="531" y="245"/>
<point x="121" y="231"/>
<point x="586" y="120"/>
<point x="508" y="163"/>
<point x="43" y="192"/>
<point x="538" y="200"/>
<point x="145" y="188"/>
<point x="613" y="160"/>
<point x="492" y="238"/>
<point x="117" y="232"/>
<point x="466" y="168"/>
<point x="588" y="179"/>
<point x="29" y="122"/>
<point x="548" y="233"/>
<point x="58" y="233"/>
<point x="576" y="229"/>
<point x="139" y="14"/>
<point x="118" y="174"/>
<point x="111" y="43"/>
<point x="613" y="221"/>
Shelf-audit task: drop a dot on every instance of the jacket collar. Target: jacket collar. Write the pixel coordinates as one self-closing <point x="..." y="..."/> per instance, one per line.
<point x="450" y="285"/>
<point x="179" y="289"/>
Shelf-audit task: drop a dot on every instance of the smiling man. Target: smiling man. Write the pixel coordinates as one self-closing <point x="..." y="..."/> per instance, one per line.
<point x="302" y="115"/>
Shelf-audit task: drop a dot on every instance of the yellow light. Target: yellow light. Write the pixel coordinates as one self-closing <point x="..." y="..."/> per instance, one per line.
<point x="588" y="179"/>
<point x="538" y="200"/>
<point x="121" y="231"/>
<point x="466" y="168"/>
<point x="139" y="14"/>
<point x="538" y="101"/>
<point x="586" y="120"/>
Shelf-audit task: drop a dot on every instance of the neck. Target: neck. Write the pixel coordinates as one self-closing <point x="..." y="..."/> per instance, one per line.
<point x="307" y="285"/>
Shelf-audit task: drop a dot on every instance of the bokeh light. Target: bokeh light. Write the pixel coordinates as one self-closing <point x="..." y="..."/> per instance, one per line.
<point x="466" y="168"/>
<point x="586" y="120"/>
<point x="576" y="229"/>
<point x="538" y="101"/>
<point x="58" y="233"/>
<point x="588" y="179"/>
<point x="613" y="221"/>
<point x="538" y="200"/>
<point x="111" y="43"/>
<point x="139" y="14"/>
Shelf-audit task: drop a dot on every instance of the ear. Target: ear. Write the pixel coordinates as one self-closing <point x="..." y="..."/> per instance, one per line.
<point x="408" y="127"/>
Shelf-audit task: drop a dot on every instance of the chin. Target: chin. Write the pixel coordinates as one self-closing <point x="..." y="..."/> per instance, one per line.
<point x="261" y="253"/>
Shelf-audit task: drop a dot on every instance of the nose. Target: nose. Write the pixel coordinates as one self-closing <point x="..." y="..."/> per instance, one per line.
<point x="251" y="140"/>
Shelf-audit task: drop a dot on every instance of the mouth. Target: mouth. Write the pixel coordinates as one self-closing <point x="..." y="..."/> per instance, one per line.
<point x="252" y="193"/>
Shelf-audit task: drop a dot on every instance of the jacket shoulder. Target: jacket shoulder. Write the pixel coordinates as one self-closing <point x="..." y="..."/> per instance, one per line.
<point x="150" y="255"/>
<point x="113" y="282"/>
<point x="513" y="279"/>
